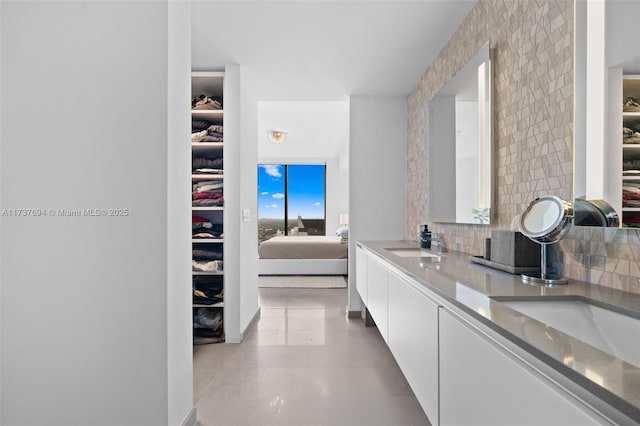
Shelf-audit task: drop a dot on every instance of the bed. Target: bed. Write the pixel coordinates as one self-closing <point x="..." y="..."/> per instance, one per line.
<point x="303" y="255"/>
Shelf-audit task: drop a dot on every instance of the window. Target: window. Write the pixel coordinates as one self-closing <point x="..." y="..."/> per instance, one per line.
<point x="291" y="200"/>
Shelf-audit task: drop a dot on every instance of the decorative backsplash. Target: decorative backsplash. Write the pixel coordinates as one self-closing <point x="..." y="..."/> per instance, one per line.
<point x="533" y="134"/>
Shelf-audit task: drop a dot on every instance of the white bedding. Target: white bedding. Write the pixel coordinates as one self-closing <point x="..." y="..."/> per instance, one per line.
<point x="303" y="247"/>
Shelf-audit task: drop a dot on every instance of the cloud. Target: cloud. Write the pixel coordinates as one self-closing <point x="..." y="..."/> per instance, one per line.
<point x="317" y="203"/>
<point x="272" y="170"/>
<point x="264" y="193"/>
<point x="278" y="195"/>
<point x="275" y="206"/>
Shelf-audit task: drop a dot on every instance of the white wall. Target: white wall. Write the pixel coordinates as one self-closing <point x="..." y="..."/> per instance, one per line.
<point x="240" y="184"/>
<point x="1" y="206"/>
<point x="232" y="210"/>
<point x="248" y="200"/>
<point x="318" y="132"/>
<point x="378" y="184"/>
<point x="622" y="35"/>
<point x="179" y="296"/>
<point x="84" y="106"/>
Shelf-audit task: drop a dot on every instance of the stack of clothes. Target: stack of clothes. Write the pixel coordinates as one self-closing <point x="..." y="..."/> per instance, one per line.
<point x="207" y="326"/>
<point x="631" y="104"/>
<point x="207" y="194"/>
<point x="201" y="228"/>
<point x="631" y="134"/>
<point x="631" y="221"/>
<point x="630" y="193"/>
<point x="207" y="289"/>
<point x="631" y="167"/>
<point x="210" y="132"/>
<point x="204" y="102"/>
<point x="207" y="322"/>
<point x="206" y="165"/>
<point x="207" y="258"/>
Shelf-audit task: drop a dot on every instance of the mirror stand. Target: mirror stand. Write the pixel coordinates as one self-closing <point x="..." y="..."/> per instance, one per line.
<point x="546" y="221"/>
<point x="543" y="278"/>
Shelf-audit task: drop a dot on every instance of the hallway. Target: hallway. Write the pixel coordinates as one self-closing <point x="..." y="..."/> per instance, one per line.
<point x="303" y="363"/>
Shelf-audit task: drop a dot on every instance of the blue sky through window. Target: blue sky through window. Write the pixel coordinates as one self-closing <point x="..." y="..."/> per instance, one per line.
<point x="306" y="191"/>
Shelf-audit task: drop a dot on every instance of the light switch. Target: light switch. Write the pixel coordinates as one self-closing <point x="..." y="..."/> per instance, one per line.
<point x="246" y="215"/>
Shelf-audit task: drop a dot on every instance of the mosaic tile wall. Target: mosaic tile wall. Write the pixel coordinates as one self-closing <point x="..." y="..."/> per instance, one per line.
<point x="533" y="138"/>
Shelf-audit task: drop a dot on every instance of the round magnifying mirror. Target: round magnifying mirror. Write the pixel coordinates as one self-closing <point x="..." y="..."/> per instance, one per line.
<point x="545" y="221"/>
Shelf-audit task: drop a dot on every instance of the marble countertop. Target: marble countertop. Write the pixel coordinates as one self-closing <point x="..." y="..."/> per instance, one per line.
<point x="479" y="291"/>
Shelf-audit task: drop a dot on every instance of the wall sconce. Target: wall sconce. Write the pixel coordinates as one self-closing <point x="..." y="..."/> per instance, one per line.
<point x="277" y="136"/>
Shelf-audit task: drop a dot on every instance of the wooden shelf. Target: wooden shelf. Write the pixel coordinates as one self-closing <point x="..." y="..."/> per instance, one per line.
<point x="215" y="116"/>
<point x="207" y="273"/>
<point x="631" y="114"/>
<point x="207" y="240"/>
<point x="205" y="176"/>
<point x="207" y="209"/>
<point x="208" y="145"/>
<point x="631" y="209"/>
<point x="215" y="305"/>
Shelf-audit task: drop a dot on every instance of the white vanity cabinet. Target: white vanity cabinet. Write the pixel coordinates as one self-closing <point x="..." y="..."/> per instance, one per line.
<point x="483" y="383"/>
<point x="377" y="296"/>
<point x="461" y="372"/>
<point x="361" y="274"/>
<point x="413" y="340"/>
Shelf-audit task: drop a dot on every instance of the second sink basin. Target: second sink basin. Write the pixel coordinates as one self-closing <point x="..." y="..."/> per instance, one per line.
<point x="410" y="252"/>
<point x="610" y="331"/>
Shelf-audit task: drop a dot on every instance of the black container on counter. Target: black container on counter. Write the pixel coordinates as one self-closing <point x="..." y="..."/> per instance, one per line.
<point x="425" y="236"/>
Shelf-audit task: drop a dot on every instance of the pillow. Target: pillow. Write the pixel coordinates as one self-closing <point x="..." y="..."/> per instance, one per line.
<point x="343" y="232"/>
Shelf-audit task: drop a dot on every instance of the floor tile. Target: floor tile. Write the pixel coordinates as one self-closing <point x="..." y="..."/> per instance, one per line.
<point x="303" y="363"/>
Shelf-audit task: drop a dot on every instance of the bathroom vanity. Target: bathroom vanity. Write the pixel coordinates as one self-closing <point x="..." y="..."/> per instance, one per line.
<point x="478" y="346"/>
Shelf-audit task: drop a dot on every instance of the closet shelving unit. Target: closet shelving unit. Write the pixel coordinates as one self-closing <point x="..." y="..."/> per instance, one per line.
<point x="631" y="149"/>
<point x="209" y="84"/>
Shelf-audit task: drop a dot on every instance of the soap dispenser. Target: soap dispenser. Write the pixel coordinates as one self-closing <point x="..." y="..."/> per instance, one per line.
<point x="425" y="237"/>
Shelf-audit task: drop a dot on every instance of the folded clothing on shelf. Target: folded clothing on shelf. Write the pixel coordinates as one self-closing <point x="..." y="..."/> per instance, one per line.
<point x="208" y="318"/>
<point x="199" y="162"/>
<point x="204" y="102"/>
<point x="206" y="265"/>
<point x="202" y="227"/>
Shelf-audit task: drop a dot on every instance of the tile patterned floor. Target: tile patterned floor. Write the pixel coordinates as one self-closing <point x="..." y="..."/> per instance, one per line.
<point x="303" y="363"/>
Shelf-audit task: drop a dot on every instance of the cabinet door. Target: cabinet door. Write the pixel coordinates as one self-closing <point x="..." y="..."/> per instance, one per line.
<point x="361" y="274"/>
<point x="377" y="298"/>
<point x="483" y="384"/>
<point x="413" y="339"/>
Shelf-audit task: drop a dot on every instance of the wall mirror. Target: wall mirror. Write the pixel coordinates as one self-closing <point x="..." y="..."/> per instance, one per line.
<point x="460" y="134"/>
<point x="606" y="115"/>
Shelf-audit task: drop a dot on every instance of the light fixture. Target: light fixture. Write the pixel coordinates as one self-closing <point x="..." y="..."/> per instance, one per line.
<point x="277" y="136"/>
<point x="344" y="219"/>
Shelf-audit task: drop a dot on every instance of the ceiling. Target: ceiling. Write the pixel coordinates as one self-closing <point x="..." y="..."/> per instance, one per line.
<point x="302" y="121"/>
<point x="324" y="50"/>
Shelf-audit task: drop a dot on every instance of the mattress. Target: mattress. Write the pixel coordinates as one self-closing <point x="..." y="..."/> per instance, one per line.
<point x="303" y="247"/>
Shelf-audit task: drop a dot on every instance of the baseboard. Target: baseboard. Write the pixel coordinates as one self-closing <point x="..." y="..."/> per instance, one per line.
<point x="191" y="418"/>
<point x="254" y="320"/>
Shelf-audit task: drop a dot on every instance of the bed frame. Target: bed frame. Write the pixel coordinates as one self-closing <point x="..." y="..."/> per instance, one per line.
<point x="302" y="266"/>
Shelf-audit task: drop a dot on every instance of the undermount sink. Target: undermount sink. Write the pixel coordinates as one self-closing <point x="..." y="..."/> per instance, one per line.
<point x="410" y="252"/>
<point x="610" y="331"/>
